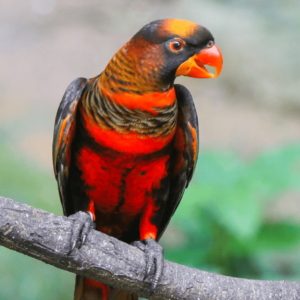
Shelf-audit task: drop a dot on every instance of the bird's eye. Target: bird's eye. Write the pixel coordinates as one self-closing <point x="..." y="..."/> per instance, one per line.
<point x="176" y="46"/>
<point x="210" y="44"/>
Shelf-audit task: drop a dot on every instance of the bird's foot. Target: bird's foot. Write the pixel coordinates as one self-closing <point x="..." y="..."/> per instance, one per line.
<point x="154" y="258"/>
<point x="82" y="224"/>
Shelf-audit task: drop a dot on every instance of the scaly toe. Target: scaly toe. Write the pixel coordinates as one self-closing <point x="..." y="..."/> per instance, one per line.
<point x="155" y="257"/>
<point x="82" y="225"/>
<point x="139" y="244"/>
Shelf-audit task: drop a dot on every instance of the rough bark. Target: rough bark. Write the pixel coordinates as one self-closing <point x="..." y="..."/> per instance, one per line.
<point x="46" y="237"/>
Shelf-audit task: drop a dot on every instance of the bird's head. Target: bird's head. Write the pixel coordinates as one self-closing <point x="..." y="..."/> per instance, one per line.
<point x="161" y="51"/>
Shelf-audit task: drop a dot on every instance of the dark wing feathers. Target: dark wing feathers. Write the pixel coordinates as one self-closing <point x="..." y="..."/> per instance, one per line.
<point x="64" y="127"/>
<point x="184" y="159"/>
<point x="190" y="127"/>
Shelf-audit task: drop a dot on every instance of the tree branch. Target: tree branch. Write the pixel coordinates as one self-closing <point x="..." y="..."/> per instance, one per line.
<point x="46" y="237"/>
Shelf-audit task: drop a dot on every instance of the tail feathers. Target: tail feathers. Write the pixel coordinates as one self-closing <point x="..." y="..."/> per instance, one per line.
<point x="88" y="289"/>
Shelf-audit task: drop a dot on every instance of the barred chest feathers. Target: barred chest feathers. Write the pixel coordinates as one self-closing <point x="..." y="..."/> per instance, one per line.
<point x="129" y="122"/>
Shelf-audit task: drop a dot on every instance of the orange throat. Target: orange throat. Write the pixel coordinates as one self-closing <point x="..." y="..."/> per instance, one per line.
<point x="128" y="122"/>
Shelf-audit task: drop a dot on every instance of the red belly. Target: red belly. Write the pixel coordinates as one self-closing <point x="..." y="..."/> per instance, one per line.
<point x="121" y="188"/>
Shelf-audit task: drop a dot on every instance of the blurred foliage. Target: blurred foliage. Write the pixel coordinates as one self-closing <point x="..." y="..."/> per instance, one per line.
<point x="221" y="224"/>
<point x="24" y="278"/>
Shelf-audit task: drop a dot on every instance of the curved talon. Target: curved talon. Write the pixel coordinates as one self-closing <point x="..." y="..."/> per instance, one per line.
<point x="82" y="240"/>
<point x="72" y="248"/>
<point x="82" y="225"/>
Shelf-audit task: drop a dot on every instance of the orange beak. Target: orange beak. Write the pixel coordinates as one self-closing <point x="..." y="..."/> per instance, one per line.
<point x="194" y="66"/>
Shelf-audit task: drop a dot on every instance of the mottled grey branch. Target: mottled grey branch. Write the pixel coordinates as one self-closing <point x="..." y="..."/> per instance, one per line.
<point x="46" y="237"/>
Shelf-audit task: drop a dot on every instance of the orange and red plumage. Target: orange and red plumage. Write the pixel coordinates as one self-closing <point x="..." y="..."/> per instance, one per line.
<point x="126" y="142"/>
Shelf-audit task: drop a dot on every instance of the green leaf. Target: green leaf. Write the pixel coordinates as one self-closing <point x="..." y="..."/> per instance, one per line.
<point x="277" y="237"/>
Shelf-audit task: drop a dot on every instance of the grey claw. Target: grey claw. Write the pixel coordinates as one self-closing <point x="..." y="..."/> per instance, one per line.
<point x="153" y="286"/>
<point x="83" y="240"/>
<point x="72" y="247"/>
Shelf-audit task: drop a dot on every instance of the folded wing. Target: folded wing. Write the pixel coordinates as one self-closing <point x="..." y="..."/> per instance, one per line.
<point x="64" y="129"/>
<point x="184" y="159"/>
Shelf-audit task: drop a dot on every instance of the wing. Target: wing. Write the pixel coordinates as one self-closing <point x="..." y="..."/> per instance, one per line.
<point x="64" y="129"/>
<point x="186" y="146"/>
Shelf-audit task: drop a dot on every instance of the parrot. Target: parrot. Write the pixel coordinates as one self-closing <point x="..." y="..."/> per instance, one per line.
<point x="126" y="142"/>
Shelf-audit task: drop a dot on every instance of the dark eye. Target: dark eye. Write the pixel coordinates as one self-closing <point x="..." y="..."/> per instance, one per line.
<point x="210" y="44"/>
<point x="176" y="46"/>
